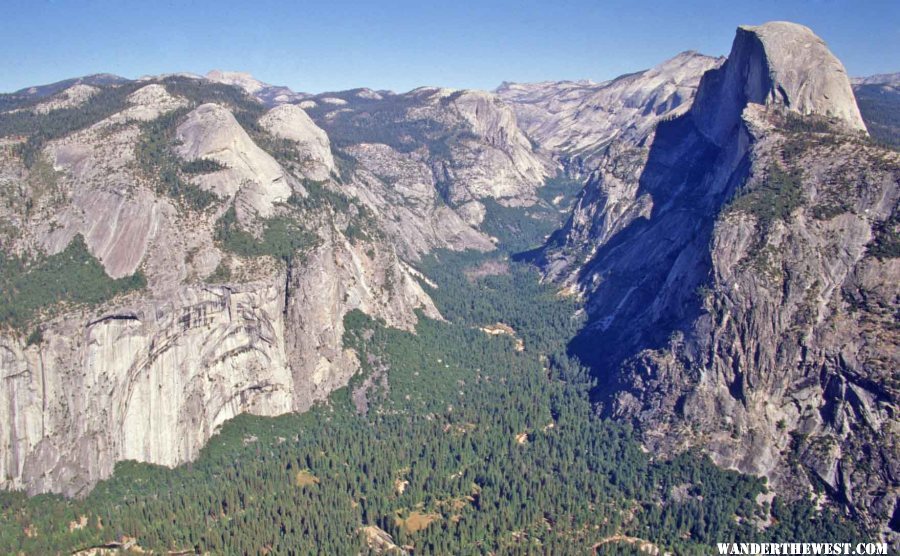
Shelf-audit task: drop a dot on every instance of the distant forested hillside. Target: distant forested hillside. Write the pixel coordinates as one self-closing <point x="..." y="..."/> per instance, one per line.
<point x="880" y="108"/>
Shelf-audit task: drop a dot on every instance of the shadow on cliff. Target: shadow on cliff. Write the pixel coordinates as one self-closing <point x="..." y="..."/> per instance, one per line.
<point x="646" y="280"/>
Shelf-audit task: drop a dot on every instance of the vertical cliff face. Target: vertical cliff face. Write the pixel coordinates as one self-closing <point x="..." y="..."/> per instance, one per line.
<point x="146" y="381"/>
<point x="740" y="283"/>
<point x="232" y="319"/>
<point x="784" y="365"/>
<point x="499" y="161"/>
<point x="372" y="279"/>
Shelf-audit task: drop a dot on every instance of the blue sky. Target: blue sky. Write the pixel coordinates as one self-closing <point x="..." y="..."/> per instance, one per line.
<point x="336" y="44"/>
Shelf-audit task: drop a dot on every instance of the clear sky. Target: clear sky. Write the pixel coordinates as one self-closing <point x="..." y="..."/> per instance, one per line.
<point x="400" y="44"/>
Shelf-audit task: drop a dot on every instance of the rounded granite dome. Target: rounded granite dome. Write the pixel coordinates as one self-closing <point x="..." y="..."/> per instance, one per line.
<point x="805" y="76"/>
<point x="775" y="64"/>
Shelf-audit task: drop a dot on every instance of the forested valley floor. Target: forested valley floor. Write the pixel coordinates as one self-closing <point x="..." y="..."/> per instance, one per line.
<point x="475" y="435"/>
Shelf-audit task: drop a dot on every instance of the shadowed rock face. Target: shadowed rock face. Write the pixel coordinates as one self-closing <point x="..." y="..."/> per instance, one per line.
<point x="739" y="295"/>
<point x="724" y="273"/>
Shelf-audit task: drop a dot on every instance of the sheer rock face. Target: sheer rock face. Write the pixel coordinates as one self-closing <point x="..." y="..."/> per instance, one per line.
<point x="372" y="280"/>
<point x="778" y="64"/>
<point x="603" y="132"/>
<point x="491" y="158"/>
<point x="151" y="375"/>
<point x="804" y="75"/>
<point x="508" y="165"/>
<point x="759" y="329"/>
<point x="150" y="379"/>
<point x="149" y="382"/>
<point x="289" y="121"/>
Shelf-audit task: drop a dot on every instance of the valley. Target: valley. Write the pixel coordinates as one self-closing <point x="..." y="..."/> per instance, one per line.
<point x="326" y="480"/>
<point x="640" y="316"/>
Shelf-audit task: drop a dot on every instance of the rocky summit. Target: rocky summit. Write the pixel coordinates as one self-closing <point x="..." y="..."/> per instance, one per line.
<point x="722" y="233"/>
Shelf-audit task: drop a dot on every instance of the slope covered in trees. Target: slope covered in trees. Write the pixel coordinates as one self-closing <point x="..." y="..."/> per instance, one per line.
<point x="73" y="277"/>
<point x="880" y="108"/>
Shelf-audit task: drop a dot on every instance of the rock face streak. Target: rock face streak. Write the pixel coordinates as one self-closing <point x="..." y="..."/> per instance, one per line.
<point x="733" y="279"/>
<point x="148" y="384"/>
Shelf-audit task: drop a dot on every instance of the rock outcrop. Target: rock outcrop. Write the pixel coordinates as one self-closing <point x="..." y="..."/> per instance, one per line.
<point x="289" y="121"/>
<point x="251" y="174"/>
<point x="96" y="194"/>
<point x="777" y="64"/>
<point x="499" y="162"/>
<point x="879" y="79"/>
<point x="69" y="98"/>
<point x="237" y="78"/>
<point x="148" y="103"/>
<point x="270" y="95"/>
<point x="464" y="145"/>
<point x="402" y="190"/>
<point x="336" y="277"/>
<point x="30" y="95"/>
